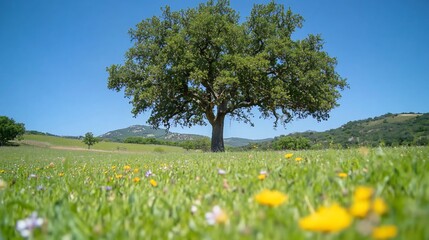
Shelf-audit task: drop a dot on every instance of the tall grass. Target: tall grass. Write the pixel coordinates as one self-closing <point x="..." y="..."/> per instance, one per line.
<point x="68" y="189"/>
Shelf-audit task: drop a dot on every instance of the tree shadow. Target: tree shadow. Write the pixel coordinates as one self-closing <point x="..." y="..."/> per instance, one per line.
<point x="11" y="144"/>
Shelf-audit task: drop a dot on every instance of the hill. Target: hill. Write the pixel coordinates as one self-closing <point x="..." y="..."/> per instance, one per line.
<point x="62" y="143"/>
<point x="148" y="132"/>
<point x="389" y="130"/>
<point x="162" y="134"/>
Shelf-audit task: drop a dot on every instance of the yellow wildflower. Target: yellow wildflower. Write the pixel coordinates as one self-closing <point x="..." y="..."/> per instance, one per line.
<point x="379" y="206"/>
<point x="327" y="219"/>
<point x="271" y="198"/>
<point x="298" y="159"/>
<point x="288" y="155"/>
<point x="342" y="175"/>
<point x="2" y="170"/>
<point x="262" y="176"/>
<point x="118" y="176"/>
<point x="136" y="179"/>
<point x="384" y="232"/>
<point x="153" y="183"/>
<point x="113" y="167"/>
<point x="60" y="174"/>
<point x="363" y="193"/>
<point x="127" y="168"/>
<point x="136" y="170"/>
<point x="360" y="208"/>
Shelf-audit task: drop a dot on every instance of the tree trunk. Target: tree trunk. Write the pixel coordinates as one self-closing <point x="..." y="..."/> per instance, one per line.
<point x="217" y="135"/>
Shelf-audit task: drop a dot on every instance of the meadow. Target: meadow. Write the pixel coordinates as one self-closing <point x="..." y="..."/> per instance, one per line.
<point x="177" y="194"/>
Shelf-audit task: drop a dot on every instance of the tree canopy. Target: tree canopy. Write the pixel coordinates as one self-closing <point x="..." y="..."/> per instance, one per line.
<point x="198" y="65"/>
<point x="9" y="130"/>
<point x="89" y="139"/>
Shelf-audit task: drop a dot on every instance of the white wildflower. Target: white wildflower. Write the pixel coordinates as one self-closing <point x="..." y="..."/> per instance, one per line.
<point x="217" y="215"/>
<point x="26" y="226"/>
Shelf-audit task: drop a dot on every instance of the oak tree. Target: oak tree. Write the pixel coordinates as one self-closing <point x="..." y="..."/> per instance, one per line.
<point x="9" y="130"/>
<point x="199" y="65"/>
<point x="89" y="139"/>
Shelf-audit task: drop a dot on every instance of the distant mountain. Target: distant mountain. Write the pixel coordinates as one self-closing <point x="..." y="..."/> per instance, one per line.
<point x="163" y="134"/>
<point x="148" y="132"/>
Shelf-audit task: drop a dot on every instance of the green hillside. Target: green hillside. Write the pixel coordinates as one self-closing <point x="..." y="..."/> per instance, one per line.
<point x="76" y="144"/>
<point x="404" y="129"/>
<point x="148" y="132"/>
<point x="389" y="130"/>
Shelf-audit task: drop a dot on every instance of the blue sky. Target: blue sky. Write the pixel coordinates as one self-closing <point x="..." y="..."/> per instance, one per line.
<point x="53" y="56"/>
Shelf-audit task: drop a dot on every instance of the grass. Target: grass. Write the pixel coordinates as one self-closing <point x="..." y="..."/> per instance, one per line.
<point x="51" y="141"/>
<point x="393" y="119"/>
<point x="76" y="205"/>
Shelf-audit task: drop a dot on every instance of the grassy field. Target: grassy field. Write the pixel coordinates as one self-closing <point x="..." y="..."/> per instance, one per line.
<point x="58" y="142"/>
<point x="106" y="195"/>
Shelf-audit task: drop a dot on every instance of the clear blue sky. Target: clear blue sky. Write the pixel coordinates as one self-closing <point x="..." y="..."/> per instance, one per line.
<point x="53" y="56"/>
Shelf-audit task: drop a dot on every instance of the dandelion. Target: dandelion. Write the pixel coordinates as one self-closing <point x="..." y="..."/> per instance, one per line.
<point x="118" y="176"/>
<point x="153" y="183"/>
<point x="127" y="168"/>
<point x="384" y="232"/>
<point x="379" y="206"/>
<point x="113" y="168"/>
<point x="262" y="175"/>
<point x="298" y="159"/>
<point x="363" y="193"/>
<point x="271" y="198"/>
<point x="342" y="175"/>
<point x="2" y="171"/>
<point x="217" y="215"/>
<point x="327" y="219"/>
<point x="360" y="208"/>
<point x="60" y="174"/>
<point x="136" y="179"/>
<point x="26" y="226"/>
<point x="136" y="170"/>
<point x="288" y="155"/>
<point x="361" y="201"/>
<point x="148" y="173"/>
<point x="221" y="172"/>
